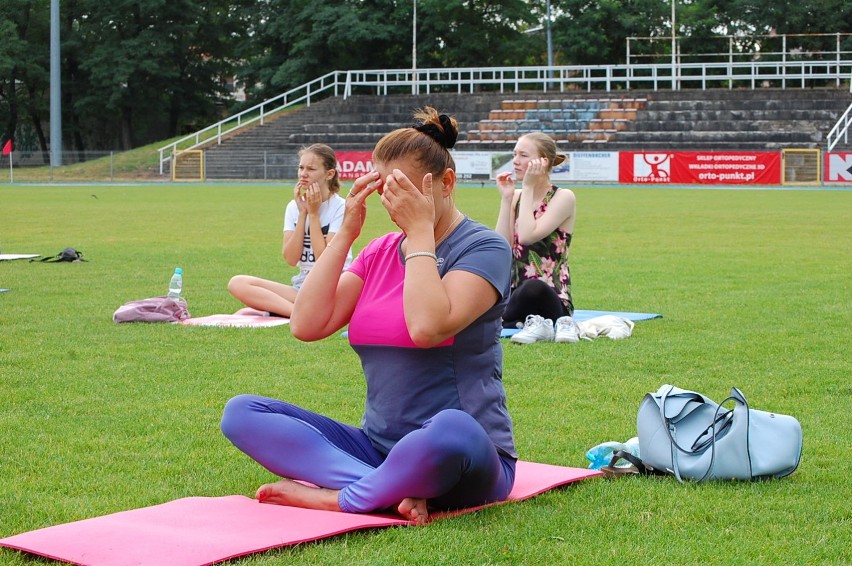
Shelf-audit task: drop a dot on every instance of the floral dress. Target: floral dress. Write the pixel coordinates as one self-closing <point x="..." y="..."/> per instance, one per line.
<point x="546" y="259"/>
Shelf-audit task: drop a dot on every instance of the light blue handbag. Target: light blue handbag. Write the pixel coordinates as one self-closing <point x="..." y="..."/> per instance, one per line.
<point x="686" y="434"/>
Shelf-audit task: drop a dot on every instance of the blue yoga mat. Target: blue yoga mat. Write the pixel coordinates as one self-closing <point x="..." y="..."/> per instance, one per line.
<point x="634" y="316"/>
<point x="582" y="315"/>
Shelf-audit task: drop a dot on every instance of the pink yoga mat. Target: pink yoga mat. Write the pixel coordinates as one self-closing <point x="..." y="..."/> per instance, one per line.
<point x="236" y="320"/>
<point x="196" y="531"/>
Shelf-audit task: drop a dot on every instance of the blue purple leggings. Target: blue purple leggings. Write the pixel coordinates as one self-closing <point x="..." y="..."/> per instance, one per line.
<point x="450" y="461"/>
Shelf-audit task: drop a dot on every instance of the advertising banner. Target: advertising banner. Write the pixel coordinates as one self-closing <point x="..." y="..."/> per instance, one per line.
<point x="595" y="166"/>
<point x="472" y="165"/>
<point x="838" y="168"/>
<point x="592" y="166"/>
<point x="650" y="168"/>
<point x="697" y="167"/>
<point x="628" y="167"/>
<point x="353" y="164"/>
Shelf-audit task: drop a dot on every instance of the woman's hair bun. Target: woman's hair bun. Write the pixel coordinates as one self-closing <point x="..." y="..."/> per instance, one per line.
<point x="440" y="127"/>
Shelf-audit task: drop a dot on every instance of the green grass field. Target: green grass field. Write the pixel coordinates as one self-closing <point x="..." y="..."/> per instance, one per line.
<point x="754" y="286"/>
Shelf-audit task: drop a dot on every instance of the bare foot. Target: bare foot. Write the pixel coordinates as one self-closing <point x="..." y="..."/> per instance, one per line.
<point x="295" y="494"/>
<point x="414" y="510"/>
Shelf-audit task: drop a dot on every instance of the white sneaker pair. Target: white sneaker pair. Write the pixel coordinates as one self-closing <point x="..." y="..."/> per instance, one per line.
<point x="540" y="329"/>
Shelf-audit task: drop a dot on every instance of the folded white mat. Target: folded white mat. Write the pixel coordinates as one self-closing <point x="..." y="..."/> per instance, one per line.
<point x="611" y="326"/>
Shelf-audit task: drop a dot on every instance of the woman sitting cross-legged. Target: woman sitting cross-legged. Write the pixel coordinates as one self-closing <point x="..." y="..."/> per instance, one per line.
<point x="538" y="222"/>
<point x="424" y="310"/>
<point x="311" y="220"/>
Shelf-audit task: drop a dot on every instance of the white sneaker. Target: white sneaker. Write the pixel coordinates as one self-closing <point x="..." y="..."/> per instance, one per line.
<point x="567" y="330"/>
<point x="536" y="329"/>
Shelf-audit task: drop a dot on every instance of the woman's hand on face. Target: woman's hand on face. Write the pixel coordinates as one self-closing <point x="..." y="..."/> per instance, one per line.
<point x="536" y="173"/>
<point x="313" y="198"/>
<point x="356" y="205"/>
<point x="506" y="185"/>
<point x="299" y="198"/>
<point x="408" y="205"/>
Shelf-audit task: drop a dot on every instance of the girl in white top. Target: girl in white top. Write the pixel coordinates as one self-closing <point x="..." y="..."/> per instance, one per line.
<point x="311" y="220"/>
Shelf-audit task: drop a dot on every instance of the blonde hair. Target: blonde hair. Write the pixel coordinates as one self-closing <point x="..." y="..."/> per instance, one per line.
<point x="329" y="161"/>
<point x="546" y="148"/>
<point x="428" y="142"/>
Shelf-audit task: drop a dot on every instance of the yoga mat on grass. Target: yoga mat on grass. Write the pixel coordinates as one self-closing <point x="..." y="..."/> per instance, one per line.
<point x="634" y="316"/>
<point x="581" y="315"/>
<point x="236" y="320"/>
<point x="196" y="531"/>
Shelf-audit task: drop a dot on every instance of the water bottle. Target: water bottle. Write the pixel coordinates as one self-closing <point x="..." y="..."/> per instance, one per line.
<point x="601" y="455"/>
<point x="176" y="284"/>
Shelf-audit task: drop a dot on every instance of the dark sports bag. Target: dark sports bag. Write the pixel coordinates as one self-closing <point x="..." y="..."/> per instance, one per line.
<point x="68" y="254"/>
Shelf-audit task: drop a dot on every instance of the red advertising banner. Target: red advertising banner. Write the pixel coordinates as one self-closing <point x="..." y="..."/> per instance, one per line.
<point x="650" y="168"/>
<point x="838" y="168"/>
<point x="353" y="164"/>
<point x="698" y="167"/>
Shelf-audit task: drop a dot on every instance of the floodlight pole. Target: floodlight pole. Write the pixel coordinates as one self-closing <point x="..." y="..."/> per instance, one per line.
<point x="674" y="49"/>
<point x="55" y="88"/>
<point x="549" y="41"/>
<point x="549" y="44"/>
<point x="414" y="49"/>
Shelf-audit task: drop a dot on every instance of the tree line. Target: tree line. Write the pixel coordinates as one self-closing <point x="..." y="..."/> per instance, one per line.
<point x="137" y="71"/>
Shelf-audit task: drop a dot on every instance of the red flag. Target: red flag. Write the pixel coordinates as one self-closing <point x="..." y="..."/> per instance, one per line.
<point x="7" y="147"/>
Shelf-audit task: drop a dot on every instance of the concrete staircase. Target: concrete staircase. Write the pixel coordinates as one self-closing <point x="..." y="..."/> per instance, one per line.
<point x="712" y="120"/>
<point x="354" y="124"/>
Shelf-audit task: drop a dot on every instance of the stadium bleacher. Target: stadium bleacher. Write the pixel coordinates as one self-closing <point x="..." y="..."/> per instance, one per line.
<point x="687" y="120"/>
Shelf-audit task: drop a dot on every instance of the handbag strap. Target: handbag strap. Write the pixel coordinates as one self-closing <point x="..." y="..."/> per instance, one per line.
<point x="737" y="396"/>
<point x="642" y="467"/>
<point x="667" y="422"/>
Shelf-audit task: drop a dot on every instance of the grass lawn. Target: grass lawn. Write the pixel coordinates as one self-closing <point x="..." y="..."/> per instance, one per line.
<point x="754" y="286"/>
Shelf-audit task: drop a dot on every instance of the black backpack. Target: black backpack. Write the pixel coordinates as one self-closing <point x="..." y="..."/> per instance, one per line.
<point x="68" y="254"/>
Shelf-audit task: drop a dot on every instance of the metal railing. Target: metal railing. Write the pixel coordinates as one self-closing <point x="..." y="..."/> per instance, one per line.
<point x="840" y="130"/>
<point x="38" y="158"/>
<point x="327" y="85"/>
<point x="33" y="166"/>
<point x="754" y="74"/>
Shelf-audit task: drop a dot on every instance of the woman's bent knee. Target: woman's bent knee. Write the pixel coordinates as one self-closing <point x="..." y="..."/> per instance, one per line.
<point x="452" y="432"/>
<point x="237" y="283"/>
<point x="234" y="415"/>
